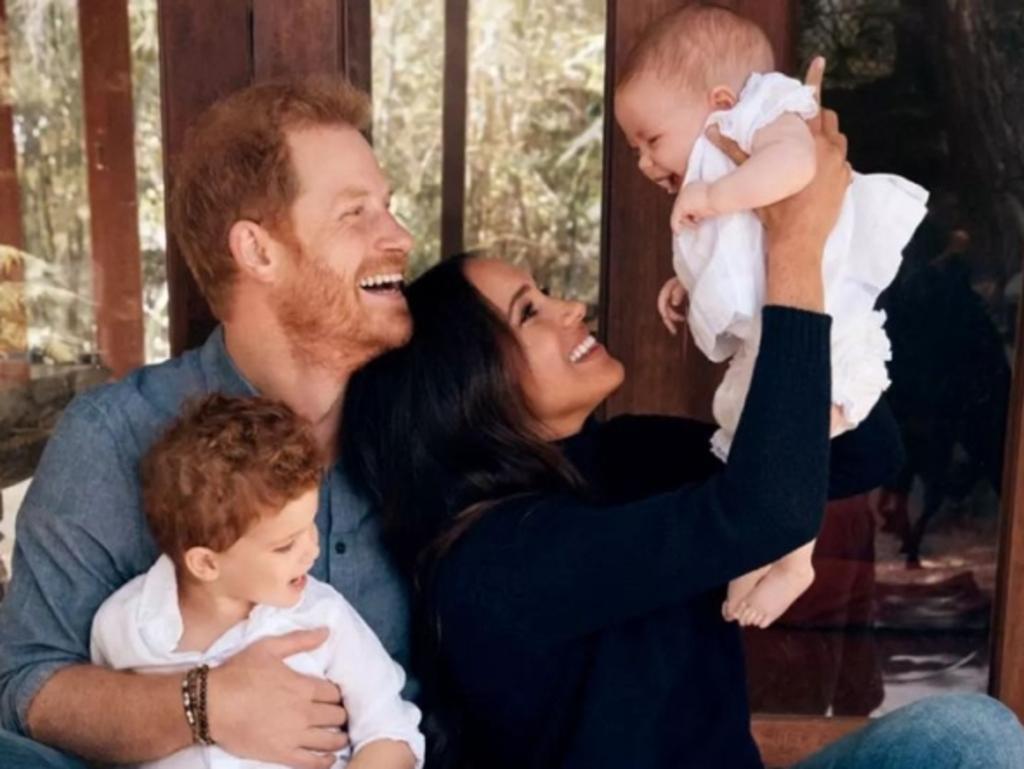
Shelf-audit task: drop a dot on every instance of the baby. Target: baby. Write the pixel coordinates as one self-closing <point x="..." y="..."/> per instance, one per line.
<point x="230" y="493"/>
<point x="704" y="66"/>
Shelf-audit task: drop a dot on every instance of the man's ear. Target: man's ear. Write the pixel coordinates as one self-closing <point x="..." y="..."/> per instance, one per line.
<point x="252" y="248"/>
<point x="722" y="97"/>
<point x="202" y="563"/>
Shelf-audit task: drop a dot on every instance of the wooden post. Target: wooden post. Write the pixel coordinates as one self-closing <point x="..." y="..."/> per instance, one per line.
<point x="453" y="160"/>
<point x="110" y="150"/>
<point x="13" y="315"/>
<point x="205" y="53"/>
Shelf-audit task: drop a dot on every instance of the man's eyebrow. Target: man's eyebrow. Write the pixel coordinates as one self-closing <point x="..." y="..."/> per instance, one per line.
<point x="355" y="191"/>
<point x="515" y="298"/>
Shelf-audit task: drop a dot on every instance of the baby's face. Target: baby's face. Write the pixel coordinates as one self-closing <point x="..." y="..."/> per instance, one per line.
<point x="268" y="564"/>
<point x="661" y="122"/>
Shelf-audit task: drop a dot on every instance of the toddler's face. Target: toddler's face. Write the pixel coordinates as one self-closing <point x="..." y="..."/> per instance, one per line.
<point x="268" y="564"/>
<point x="661" y="122"/>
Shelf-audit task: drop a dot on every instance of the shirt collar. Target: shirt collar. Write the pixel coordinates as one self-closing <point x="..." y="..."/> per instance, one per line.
<point x="221" y="373"/>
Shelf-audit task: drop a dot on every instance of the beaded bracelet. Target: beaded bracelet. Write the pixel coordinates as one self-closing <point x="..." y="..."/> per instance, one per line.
<point x="193" y="698"/>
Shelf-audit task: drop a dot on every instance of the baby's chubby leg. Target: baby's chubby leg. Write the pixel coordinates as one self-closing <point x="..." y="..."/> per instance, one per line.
<point x="784" y="582"/>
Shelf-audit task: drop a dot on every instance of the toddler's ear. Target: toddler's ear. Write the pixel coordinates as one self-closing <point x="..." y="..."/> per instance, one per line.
<point x="202" y="563"/>
<point x="722" y="97"/>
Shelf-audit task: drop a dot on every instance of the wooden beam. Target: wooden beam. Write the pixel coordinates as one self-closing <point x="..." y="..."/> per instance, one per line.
<point x="356" y="58"/>
<point x="113" y="201"/>
<point x="453" y="156"/>
<point x="296" y="38"/>
<point x="11" y="232"/>
<point x="205" y="53"/>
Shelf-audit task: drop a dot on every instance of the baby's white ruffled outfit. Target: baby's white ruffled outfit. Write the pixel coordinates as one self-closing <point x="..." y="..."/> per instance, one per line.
<point x="721" y="264"/>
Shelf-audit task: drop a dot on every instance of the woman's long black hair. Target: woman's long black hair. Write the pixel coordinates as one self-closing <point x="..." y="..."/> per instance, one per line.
<point x="435" y="431"/>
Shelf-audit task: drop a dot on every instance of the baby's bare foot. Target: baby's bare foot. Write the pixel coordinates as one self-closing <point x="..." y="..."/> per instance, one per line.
<point x="775" y="593"/>
<point x="739" y="589"/>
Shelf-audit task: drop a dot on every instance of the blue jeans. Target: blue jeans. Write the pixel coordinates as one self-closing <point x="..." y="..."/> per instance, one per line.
<point x="954" y="731"/>
<point x="961" y="731"/>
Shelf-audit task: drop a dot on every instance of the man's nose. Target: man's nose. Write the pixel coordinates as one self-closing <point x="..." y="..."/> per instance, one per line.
<point x="396" y="237"/>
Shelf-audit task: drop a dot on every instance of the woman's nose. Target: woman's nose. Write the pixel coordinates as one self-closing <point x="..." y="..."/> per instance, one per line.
<point x="575" y="312"/>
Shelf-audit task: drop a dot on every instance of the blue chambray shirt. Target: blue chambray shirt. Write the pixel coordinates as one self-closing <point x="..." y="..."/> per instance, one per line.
<point x="81" y="532"/>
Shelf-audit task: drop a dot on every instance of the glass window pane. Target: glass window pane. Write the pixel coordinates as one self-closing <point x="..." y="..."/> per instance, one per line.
<point x="408" y="65"/>
<point x="535" y="130"/>
<point x="902" y="600"/>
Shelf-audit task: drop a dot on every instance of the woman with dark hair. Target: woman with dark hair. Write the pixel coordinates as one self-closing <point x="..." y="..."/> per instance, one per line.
<point x="570" y="573"/>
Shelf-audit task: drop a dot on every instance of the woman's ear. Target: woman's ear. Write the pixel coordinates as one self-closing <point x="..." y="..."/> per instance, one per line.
<point x="202" y="563"/>
<point x="722" y="97"/>
<point x="251" y="246"/>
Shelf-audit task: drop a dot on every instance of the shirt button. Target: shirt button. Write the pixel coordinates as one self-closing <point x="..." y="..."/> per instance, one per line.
<point x="339" y="547"/>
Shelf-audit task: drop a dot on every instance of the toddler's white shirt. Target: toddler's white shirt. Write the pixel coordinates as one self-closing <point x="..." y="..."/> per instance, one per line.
<point x="721" y="264"/>
<point x="138" y="628"/>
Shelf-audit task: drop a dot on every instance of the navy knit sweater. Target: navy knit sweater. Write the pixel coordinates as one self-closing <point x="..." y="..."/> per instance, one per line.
<point x="587" y="633"/>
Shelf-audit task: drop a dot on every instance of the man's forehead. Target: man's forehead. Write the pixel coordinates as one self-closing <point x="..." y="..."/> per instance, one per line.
<point x="337" y="160"/>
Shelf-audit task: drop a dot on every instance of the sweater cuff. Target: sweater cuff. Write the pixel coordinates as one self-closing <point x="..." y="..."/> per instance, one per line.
<point x="790" y="334"/>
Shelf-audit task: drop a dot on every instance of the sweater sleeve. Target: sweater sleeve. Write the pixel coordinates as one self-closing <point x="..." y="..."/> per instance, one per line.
<point x="564" y="568"/>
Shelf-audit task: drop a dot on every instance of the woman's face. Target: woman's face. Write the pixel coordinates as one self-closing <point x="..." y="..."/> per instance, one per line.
<point x="567" y="372"/>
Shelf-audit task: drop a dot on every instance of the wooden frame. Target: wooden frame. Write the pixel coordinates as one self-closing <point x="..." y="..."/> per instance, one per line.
<point x="113" y="201"/>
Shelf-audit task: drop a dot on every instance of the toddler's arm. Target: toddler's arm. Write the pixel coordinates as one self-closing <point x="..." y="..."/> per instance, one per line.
<point x="380" y="723"/>
<point x="781" y="164"/>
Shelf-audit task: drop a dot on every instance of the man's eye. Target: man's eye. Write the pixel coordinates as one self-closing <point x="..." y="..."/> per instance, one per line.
<point x="352" y="212"/>
<point x="544" y="290"/>
<point x="285" y="548"/>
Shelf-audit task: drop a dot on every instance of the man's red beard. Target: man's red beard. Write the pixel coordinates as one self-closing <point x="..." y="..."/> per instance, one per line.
<point x="326" y="324"/>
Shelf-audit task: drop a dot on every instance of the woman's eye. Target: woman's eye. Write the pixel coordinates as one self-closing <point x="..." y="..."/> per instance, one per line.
<point x="529" y="310"/>
<point x="544" y="290"/>
<point x="285" y="548"/>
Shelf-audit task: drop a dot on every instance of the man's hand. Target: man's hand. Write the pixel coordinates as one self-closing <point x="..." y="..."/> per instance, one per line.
<point x="692" y="206"/>
<point x="670" y="304"/>
<point x="260" y="708"/>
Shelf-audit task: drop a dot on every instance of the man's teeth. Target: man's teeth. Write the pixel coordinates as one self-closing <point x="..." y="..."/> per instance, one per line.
<point x="375" y="281"/>
<point x="582" y="349"/>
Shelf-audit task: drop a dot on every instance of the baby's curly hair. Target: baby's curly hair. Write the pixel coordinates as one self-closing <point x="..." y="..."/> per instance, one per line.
<point x="223" y="465"/>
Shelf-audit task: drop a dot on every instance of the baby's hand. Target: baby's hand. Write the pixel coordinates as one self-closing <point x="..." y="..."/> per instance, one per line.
<point x="693" y="204"/>
<point x="671" y="296"/>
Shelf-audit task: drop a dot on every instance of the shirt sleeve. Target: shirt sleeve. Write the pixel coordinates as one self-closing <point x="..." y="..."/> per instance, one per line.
<point x="562" y="567"/>
<point x="66" y="561"/>
<point x="371" y="684"/>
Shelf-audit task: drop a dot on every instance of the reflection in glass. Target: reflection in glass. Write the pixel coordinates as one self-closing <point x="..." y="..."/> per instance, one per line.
<point x="902" y="602"/>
